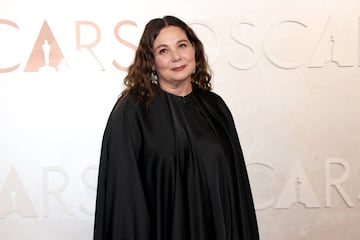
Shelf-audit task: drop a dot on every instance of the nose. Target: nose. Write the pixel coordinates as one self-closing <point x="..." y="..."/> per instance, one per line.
<point x="175" y="56"/>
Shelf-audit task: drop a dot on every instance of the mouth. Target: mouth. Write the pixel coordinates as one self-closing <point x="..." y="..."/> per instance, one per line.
<point x="178" y="69"/>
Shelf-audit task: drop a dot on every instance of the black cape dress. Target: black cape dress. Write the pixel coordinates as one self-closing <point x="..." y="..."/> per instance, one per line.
<point x="174" y="171"/>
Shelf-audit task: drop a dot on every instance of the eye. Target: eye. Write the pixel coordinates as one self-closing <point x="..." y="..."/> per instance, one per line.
<point x="163" y="51"/>
<point x="182" y="45"/>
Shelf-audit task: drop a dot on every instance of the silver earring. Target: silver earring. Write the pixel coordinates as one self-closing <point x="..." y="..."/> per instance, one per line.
<point x="154" y="78"/>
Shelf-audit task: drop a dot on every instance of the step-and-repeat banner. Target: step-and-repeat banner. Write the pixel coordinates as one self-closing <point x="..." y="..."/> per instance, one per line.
<point x="289" y="71"/>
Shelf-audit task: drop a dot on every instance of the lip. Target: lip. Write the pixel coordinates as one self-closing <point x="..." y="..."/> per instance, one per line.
<point x="178" y="69"/>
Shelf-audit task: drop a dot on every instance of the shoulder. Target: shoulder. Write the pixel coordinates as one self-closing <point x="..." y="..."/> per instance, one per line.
<point x="216" y="104"/>
<point x="216" y="97"/>
<point x="127" y="104"/>
<point x="213" y="98"/>
<point x="126" y="108"/>
<point x="123" y="121"/>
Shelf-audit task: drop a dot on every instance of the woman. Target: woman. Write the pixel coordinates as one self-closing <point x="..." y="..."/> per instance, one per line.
<point x="171" y="165"/>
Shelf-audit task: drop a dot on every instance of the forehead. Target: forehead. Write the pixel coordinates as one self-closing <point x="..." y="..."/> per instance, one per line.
<point x="170" y="35"/>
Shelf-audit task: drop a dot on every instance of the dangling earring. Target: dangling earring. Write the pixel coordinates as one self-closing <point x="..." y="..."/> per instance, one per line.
<point x="154" y="77"/>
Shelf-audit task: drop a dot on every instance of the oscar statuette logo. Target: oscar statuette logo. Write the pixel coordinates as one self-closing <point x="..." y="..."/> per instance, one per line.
<point x="46" y="55"/>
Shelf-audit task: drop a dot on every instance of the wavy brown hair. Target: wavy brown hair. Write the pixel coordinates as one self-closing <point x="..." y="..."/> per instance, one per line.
<point x="138" y="81"/>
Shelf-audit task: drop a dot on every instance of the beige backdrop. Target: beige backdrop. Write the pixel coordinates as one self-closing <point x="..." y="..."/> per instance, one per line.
<point x="289" y="71"/>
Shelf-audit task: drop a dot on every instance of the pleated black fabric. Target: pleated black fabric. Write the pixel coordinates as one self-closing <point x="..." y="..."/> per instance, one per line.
<point x="173" y="172"/>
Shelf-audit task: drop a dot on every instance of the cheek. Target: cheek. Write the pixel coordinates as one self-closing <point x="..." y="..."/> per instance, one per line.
<point x="192" y="61"/>
<point x="191" y="56"/>
<point x="160" y="63"/>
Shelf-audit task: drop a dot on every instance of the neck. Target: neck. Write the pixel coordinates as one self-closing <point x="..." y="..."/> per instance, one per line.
<point x="181" y="89"/>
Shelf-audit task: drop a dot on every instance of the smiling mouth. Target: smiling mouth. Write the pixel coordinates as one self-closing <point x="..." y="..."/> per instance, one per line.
<point x="177" y="69"/>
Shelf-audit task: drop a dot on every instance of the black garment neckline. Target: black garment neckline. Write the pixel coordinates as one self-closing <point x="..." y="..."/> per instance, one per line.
<point x="172" y="95"/>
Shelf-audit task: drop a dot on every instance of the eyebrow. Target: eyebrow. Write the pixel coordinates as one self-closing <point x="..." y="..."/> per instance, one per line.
<point x="164" y="45"/>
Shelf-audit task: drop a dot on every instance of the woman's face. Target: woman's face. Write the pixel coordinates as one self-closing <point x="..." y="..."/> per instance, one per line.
<point x="174" y="57"/>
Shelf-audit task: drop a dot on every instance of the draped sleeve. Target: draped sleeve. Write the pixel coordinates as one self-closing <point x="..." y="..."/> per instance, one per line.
<point x="248" y="222"/>
<point x="121" y="209"/>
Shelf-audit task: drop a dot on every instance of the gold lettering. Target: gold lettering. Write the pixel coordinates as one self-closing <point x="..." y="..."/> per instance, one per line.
<point x="14" y="25"/>
<point x="88" y="46"/>
<point x="122" y="41"/>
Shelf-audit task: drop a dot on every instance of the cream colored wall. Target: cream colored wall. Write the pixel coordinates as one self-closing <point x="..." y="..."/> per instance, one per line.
<point x="289" y="71"/>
